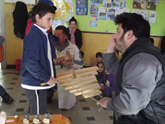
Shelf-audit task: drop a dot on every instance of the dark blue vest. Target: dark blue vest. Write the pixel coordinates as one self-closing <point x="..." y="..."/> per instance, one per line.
<point x="154" y="113"/>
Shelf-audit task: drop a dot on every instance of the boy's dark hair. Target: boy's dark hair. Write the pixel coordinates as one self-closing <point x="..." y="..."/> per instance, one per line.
<point x="134" y="22"/>
<point x="50" y="3"/>
<point x="41" y="9"/>
<point x="63" y="28"/>
<point x="99" y="54"/>
<point x="152" y="40"/>
<point x="72" y="19"/>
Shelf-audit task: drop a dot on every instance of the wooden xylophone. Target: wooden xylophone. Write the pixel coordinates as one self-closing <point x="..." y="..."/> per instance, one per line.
<point x="80" y="82"/>
<point x="38" y="119"/>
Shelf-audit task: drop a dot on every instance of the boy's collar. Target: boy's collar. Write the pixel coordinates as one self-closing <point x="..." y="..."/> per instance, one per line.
<point x="42" y="29"/>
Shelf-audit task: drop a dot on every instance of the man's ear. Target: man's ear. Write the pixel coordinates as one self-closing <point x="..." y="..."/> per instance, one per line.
<point x="66" y="36"/>
<point x="129" y="34"/>
<point x="37" y="17"/>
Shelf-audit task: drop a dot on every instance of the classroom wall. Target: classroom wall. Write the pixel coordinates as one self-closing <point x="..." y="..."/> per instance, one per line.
<point x="108" y="26"/>
<point x="92" y="42"/>
<point x="14" y="45"/>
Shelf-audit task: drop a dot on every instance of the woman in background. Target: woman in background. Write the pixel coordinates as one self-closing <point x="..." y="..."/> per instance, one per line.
<point x="74" y="34"/>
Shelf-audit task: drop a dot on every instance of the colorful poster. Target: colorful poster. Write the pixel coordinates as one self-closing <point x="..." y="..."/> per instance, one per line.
<point x="110" y="14"/>
<point x="93" y="20"/>
<point x="64" y="10"/>
<point x="97" y="1"/>
<point x="94" y="8"/>
<point x="102" y="13"/>
<point x="145" y="4"/>
<point x="115" y="4"/>
<point x="63" y="13"/>
<point x="81" y="7"/>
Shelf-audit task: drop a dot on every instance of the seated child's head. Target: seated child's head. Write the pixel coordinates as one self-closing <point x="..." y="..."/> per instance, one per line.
<point x="101" y="67"/>
<point x="99" y="57"/>
<point x="42" y="15"/>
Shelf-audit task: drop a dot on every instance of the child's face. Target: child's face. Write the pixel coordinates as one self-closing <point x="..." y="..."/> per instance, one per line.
<point x="99" y="59"/>
<point x="101" y="67"/>
<point x="73" y="24"/>
<point x="46" y="21"/>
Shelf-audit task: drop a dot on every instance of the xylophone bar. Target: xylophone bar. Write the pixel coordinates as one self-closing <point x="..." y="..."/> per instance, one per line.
<point x="88" y="82"/>
<point x="73" y="81"/>
<point x="78" y="71"/>
<point x="85" y="87"/>
<point x="80" y="92"/>
<point x="91" y="94"/>
<point x="68" y="77"/>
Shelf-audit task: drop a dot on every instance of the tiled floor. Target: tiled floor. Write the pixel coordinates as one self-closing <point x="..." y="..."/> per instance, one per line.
<point x="84" y="112"/>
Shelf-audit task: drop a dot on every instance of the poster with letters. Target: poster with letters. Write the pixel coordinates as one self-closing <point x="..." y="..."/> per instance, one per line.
<point x="81" y="7"/>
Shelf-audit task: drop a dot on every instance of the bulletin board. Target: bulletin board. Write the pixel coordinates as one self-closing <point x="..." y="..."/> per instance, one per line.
<point x="107" y="26"/>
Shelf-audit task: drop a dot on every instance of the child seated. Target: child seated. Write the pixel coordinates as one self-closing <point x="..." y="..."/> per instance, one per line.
<point x="107" y="84"/>
<point x="101" y="71"/>
<point x="99" y="58"/>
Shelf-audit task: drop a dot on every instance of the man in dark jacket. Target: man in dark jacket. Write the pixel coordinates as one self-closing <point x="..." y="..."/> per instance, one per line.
<point x="140" y="82"/>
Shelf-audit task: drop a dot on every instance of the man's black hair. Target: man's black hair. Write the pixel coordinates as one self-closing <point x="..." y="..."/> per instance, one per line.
<point x="72" y="19"/>
<point x="41" y="9"/>
<point x="63" y="28"/>
<point x="134" y="22"/>
<point x="99" y="54"/>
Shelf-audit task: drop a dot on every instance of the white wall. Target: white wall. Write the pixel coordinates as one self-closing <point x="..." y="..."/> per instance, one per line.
<point x="27" y="2"/>
<point x="2" y="29"/>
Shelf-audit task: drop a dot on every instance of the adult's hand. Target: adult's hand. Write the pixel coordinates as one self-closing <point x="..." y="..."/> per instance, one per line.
<point x="52" y="81"/>
<point x="63" y="62"/>
<point x="103" y="102"/>
<point x="111" y="45"/>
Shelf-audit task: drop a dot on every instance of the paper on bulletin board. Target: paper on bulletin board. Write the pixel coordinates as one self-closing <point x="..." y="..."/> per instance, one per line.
<point x="106" y="13"/>
<point x="81" y="7"/>
<point x="94" y="8"/>
<point x="102" y="13"/>
<point x="118" y="12"/>
<point x="115" y="4"/>
<point x="144" y="13"/>
<point x="97" y="1"/>
<point x="110" y="14"/>
<point x="152" y="17"/>
<point x="93" y="20"/>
